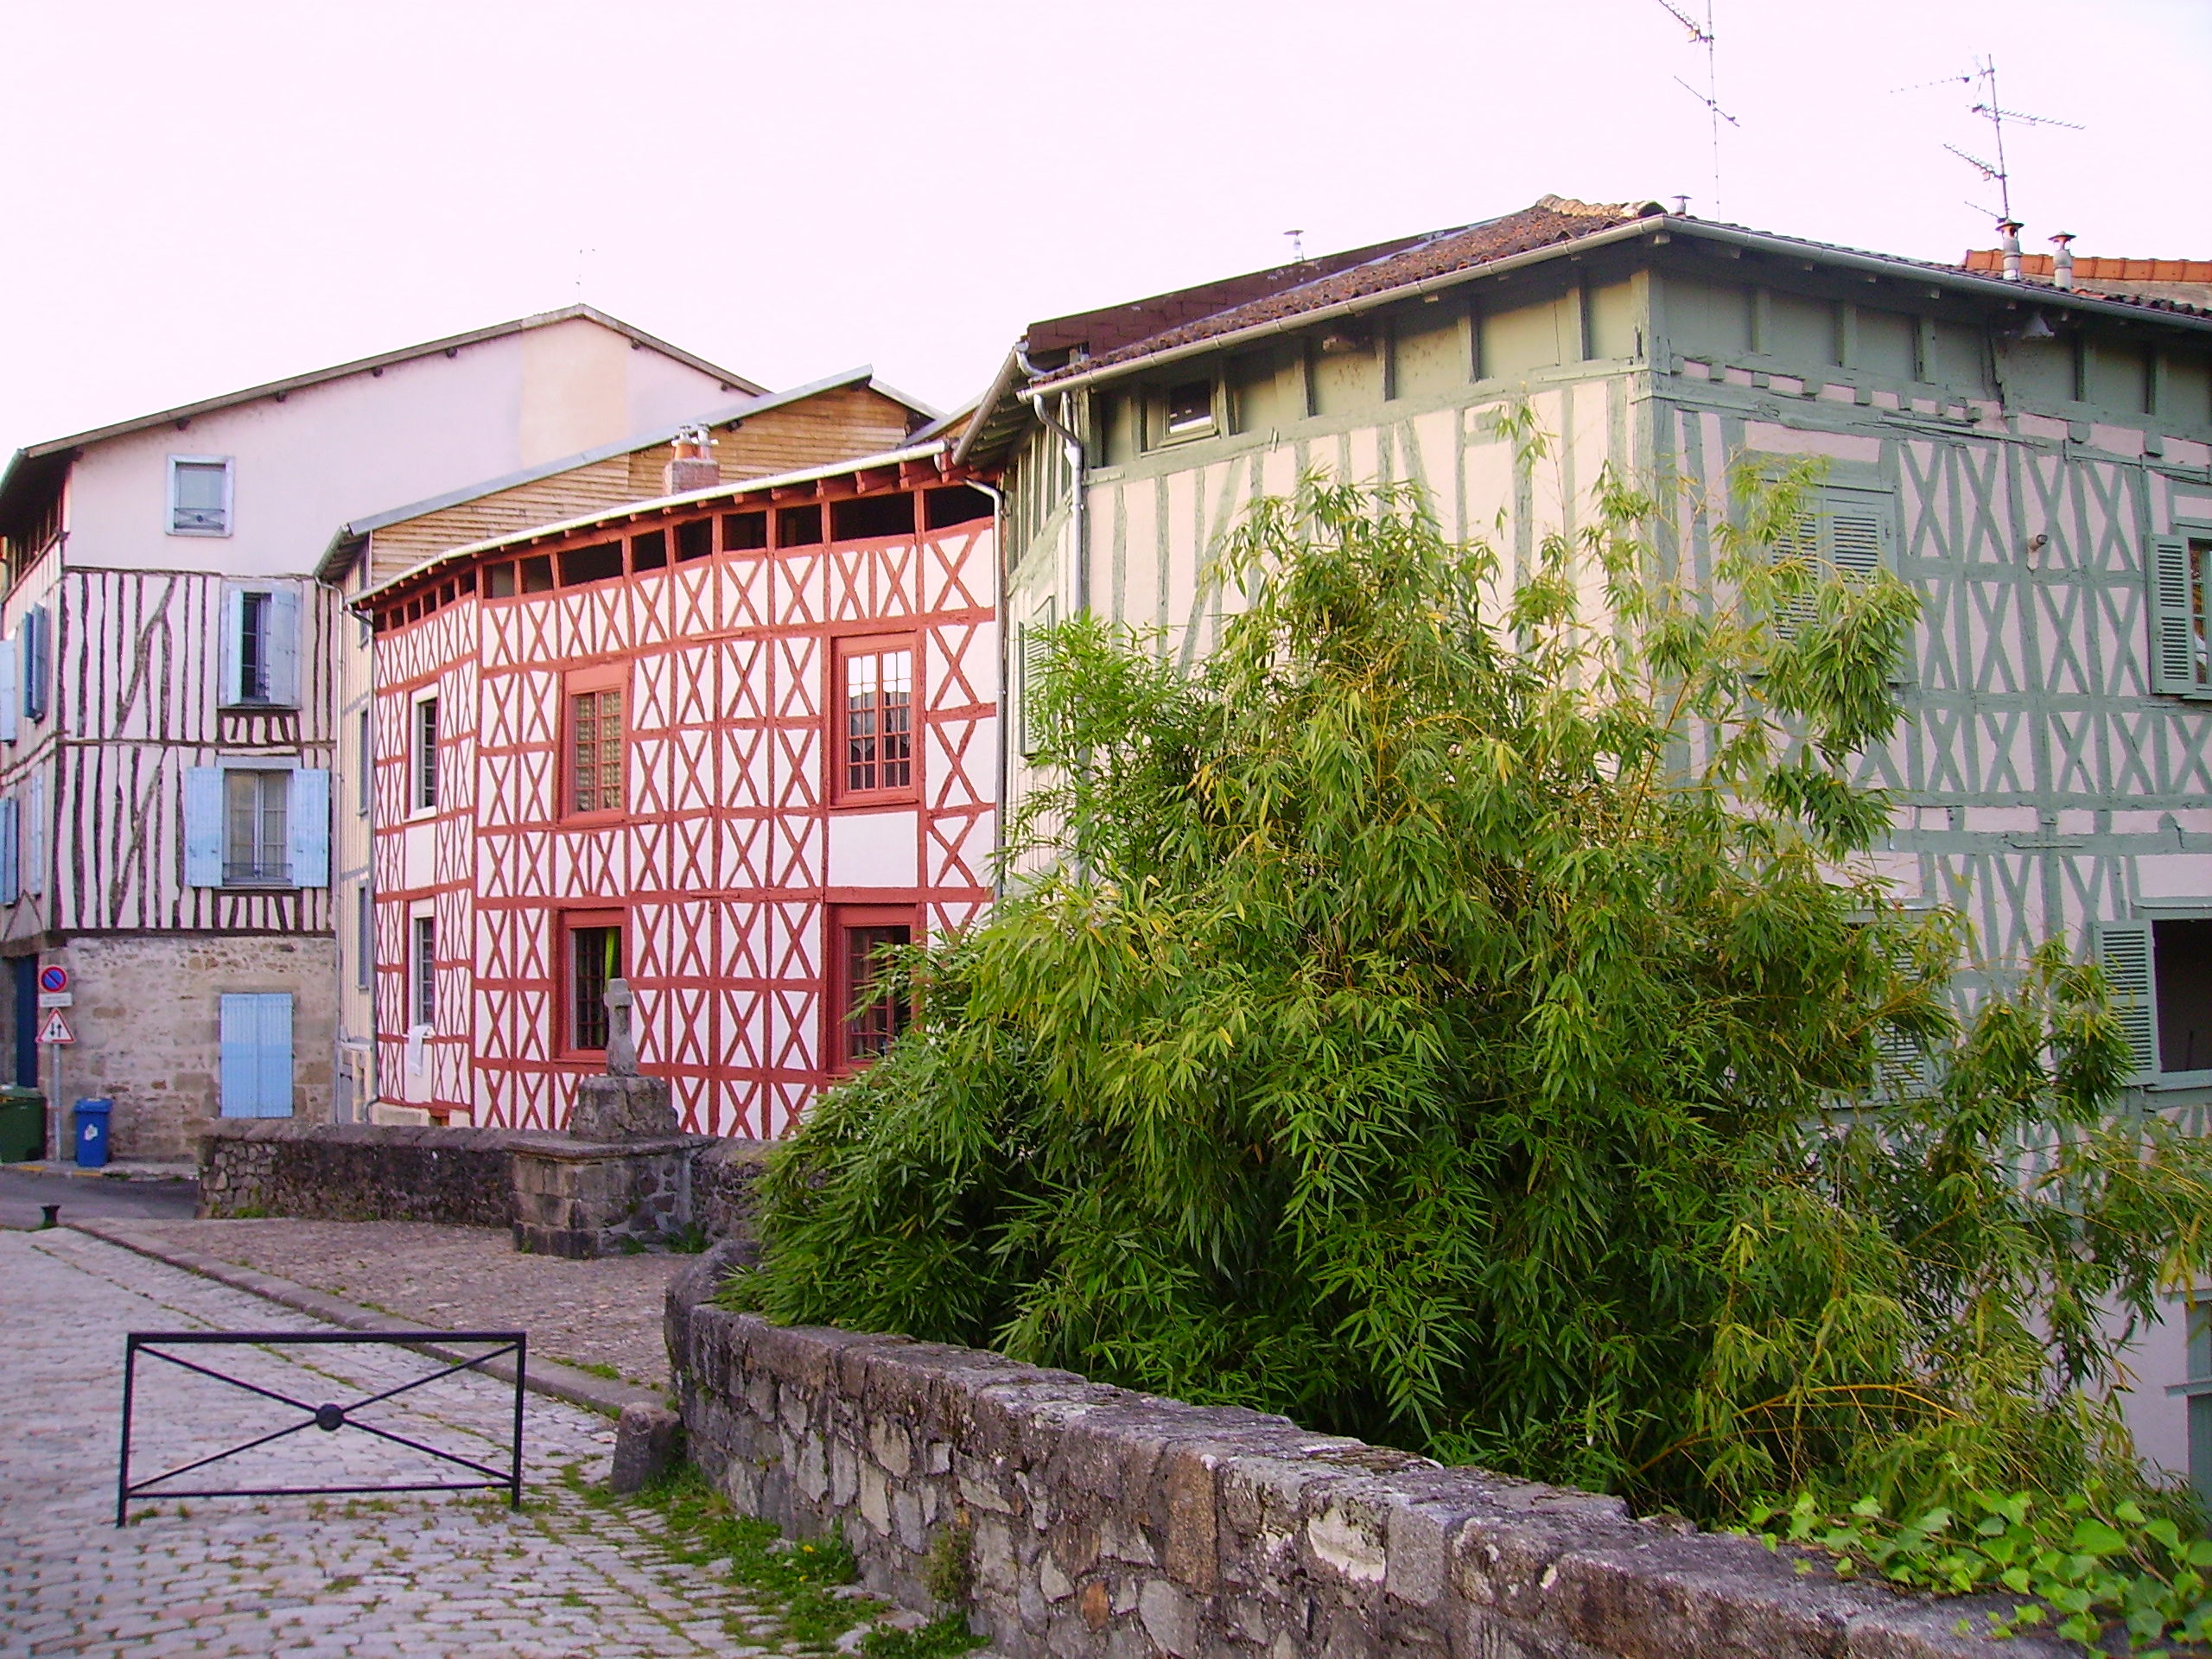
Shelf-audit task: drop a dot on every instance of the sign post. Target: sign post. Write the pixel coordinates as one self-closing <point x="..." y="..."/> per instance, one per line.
<point x="53" y="982"/>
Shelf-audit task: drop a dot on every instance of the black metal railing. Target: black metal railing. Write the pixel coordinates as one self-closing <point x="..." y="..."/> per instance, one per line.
<point x="327" y="1416"/>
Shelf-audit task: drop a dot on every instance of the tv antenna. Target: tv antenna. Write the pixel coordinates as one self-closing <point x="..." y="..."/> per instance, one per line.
<point x="1987" y="105"/>
<point x="1701" y="34"/>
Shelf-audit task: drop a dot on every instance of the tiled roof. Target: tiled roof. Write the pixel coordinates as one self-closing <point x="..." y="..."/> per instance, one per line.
<point x="2096" y="268"/>
<point x="1552" y="219"/>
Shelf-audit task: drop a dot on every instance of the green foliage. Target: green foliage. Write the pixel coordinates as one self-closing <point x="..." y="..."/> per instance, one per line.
<point x="945" y="1637"/>
<point x="2096" y="1564"/>
<point x="949" y="1569"/>
<point x="1450" y="1016"/>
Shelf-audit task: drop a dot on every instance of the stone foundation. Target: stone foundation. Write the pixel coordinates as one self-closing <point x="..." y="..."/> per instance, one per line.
<point x="584" y="1199"/>
<point x="1106" y="1522"/>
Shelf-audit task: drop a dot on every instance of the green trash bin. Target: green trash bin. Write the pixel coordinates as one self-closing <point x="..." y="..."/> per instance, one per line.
<point x="22" y="1123"/>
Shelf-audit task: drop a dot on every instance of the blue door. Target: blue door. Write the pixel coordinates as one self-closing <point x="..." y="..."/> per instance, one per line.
<point x="258" y="1055"/>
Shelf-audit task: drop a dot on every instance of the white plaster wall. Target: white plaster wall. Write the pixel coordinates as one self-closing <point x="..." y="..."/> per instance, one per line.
<point x="347" y="448"/>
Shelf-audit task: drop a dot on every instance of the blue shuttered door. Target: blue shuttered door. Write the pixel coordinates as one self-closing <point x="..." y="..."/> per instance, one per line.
<point x="256" y="1055"/>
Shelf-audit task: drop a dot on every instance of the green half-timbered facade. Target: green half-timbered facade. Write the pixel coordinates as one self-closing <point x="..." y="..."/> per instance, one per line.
<point x="2036" y="462"/>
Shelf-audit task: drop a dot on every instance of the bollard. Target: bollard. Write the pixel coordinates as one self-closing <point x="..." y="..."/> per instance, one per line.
<point x="648" y="1442"/>
<point x="49" y="1216"/>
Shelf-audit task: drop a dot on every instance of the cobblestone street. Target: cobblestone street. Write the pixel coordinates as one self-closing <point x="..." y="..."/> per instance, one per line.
<point x="411" y="1574"/>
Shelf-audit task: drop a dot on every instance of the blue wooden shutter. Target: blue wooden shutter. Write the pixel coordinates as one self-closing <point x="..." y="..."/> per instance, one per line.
<point x="35" y="850"/>
<point x="10" y="690"/>
<point x="256" y="1055"/>
<point x="273" y="1056"/>
<point x="203" y="827"/>
<point x="2173" y="633"/>
<point x="2124" y="950"/>
<point x="35" y="646"/>
<point x="12" y="844"/>
<point x="230" y="642"/>
<point x="282" y="646"/>
<point x="306" y="818"/>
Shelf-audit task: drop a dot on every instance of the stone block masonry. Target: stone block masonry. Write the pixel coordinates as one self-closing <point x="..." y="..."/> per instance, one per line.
<point x="1103" y="1521"/>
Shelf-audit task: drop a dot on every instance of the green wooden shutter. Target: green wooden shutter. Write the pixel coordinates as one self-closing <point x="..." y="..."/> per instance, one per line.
<point x="1856" y="529"/>
<point x="1032" y="673"/>
<point x="2124" y="950"/>
<point x="2174" y="648"/>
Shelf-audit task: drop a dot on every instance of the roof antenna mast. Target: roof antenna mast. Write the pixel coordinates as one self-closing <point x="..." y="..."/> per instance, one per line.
<point x="1983" y="79"/>
<point x="1701" y="34"/>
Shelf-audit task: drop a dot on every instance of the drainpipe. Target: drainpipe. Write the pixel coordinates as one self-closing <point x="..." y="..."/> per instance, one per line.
<point x="2009" y="234"/>
<point x="2062" y="264"/>
<point x="1077" y="519"/>
<point x="998" y="609"/>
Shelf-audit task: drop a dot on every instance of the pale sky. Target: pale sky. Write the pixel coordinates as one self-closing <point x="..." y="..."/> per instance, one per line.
<point x="209" y="196"/>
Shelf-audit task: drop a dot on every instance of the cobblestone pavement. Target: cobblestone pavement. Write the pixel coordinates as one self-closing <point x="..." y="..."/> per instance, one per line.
<point x="412" y="1576"/>
<point x="606" y="1312"/>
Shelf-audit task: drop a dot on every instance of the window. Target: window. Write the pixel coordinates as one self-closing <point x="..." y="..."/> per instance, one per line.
<point x="422" y="971"/>
<point x="261" y="642"/>
<point x="595" y="750"/>
<point x="1844" y="530"/>
<point x="256" y="828"/>
<point x="595" y="563"/>
<point x="1189" y="409"/>
<point x="745" y="533"/>
<point x="865" y="516"/>
<point x="695" y="539"/>
<point x="200" y="495"/>
<point x="798" y="526"/>
<point x="870" y="1019"/>
<point x="537" y="574"/>
<point x="2181" y="615"/>
<point x="595" y="957"/>
<point x="649" y="550"/>
<point x="426" y="755"/>
<point x="877" y="700"/>
<point x="365" y="939"/>
<point x="2161" y="975"/>
<point x="956" y="504"/>
<point x="367" y="763"/>
<point x="500" y="581"/>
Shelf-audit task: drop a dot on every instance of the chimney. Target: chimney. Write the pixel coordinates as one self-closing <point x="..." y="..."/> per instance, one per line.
<point x="2062" y="264"/>
<point x="2008" y="232"/>
<point x="694" y="466"/>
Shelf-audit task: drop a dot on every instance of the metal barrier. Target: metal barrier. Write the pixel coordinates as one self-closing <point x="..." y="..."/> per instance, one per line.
<point x="328" y="1417"/>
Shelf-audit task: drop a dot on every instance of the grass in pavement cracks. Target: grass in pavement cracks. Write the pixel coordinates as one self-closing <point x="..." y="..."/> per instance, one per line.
<point x="794" y="1582"/>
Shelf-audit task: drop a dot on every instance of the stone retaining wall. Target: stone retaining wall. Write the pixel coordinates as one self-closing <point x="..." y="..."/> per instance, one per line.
<point x="1107" y="1523"/>
<point x="536" y="1181"/>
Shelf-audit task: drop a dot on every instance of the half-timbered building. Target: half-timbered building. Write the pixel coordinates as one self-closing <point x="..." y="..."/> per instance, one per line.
<point x="833" y="419"/>
<point x="2035" y="458"/>
<point x="727" y="743"/>
<point x="166" y="734"/>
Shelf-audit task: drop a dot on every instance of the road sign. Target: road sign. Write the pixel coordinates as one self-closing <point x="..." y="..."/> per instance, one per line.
<point x="54" y="979"/>
<point x="57" y="999"/>
<point x="56" y="1029"/>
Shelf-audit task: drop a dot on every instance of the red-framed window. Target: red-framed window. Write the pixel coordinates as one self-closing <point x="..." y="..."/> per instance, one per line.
<point x="590" y="944"/>
<point x="863" y="1020"/>
<point x="592" y="732"/>
<point x="872" y="742"/>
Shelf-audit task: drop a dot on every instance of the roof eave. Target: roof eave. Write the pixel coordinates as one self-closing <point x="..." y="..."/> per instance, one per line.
<point x="633" y="509"/>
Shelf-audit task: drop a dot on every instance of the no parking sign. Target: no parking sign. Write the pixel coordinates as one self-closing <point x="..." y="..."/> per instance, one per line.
<point x="54" y="979"/>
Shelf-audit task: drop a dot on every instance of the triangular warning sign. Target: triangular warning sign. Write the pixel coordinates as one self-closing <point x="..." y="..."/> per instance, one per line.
<point x="57" y="1028"/>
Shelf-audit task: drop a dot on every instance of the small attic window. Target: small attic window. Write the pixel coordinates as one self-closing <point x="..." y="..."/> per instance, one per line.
<point x="1190" y="409"/>
<point x="743" y="532"/>
<point x="695" y="538"/>
<point x="537" y="574"/>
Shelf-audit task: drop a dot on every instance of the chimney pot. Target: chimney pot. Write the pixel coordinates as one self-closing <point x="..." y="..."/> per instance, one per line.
<point x="2061" y="262"/>
<point x="693" y="465"/>
<point x="2009" y="233"/>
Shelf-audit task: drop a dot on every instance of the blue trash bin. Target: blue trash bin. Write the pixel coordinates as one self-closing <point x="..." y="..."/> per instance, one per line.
<point x="92" y="1133"/>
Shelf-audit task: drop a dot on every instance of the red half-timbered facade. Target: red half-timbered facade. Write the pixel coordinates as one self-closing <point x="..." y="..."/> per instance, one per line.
<point x="726" y="744"/>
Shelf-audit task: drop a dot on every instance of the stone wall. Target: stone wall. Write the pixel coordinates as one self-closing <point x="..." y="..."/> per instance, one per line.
<point x="357" y="1172"/>
<point x="561" y="1194"/>
<point x="1107" y="1523"/>
<point x="147" y="1020"/>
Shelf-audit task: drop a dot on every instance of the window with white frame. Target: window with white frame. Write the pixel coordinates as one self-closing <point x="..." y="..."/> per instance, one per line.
<point x="256" y="828"/>
<point x="426" y="755"/>
<point x="422" y="971"/>
<point x="261" y="645"/>
<point x="200" y="495"/>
